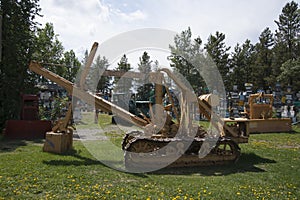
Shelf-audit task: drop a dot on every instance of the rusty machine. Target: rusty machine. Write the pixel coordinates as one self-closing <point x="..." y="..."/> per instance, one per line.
<point x="259" y="118"/>
<point x="169" y="137"/>
<point x="261" y="115"/>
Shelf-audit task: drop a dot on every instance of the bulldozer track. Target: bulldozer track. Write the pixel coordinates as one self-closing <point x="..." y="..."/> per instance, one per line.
<point x="173" y="152"/>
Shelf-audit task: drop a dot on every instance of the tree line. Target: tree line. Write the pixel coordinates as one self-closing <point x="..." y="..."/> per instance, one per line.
<point x="274" y="58"/>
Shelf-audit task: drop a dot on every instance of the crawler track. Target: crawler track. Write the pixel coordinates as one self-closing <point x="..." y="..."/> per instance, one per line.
<point x="177" y="152"/>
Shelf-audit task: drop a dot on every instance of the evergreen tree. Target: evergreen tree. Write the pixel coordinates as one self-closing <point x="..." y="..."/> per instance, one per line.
<point x="123" y="85"/>
<point x="287" y="48"/>
<point x="18" y="28"/>
<point x="99" y="66"/>
<point x="85" y="57"/>
<point x="145" y="63"/>
<point x="155" y="66"/>
<point x="218" y="51"/>
<point x="290" y="74"/>
<point x="263" y="63"/>
<point x="48" y="49"/>
<point x="288" y="31"/>
<point x="72" y="65"/>
<point x="242" y="63"/>
<point x="237" y="67"/>
<point x="184" y="51"/>
<point x="144" y="86"/>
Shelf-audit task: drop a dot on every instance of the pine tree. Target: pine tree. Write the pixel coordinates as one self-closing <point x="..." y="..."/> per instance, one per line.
<point x="289" y="29"/>
<point x="290" y="74"/>
<point x="242" y="63"/>
<point x="123" y="85"/>
<point x="183" y="53"/>
<point x="144" y="86"/>
<point x="103" y="82"/>
<point x="72" y="65"/>
<point x="145" y="63"/>
<point x="263" y="62"/>
<point x="287" y="44"/>
<point x="217" y="49"/>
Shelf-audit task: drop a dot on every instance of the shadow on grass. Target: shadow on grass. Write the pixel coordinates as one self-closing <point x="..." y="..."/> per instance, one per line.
<point x="9" y="145"/>
<point x="80" y="160"/>
<point x="246" y="163"/>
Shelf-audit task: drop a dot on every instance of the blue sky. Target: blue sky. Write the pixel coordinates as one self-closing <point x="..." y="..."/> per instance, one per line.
<point x="79" y="23"/>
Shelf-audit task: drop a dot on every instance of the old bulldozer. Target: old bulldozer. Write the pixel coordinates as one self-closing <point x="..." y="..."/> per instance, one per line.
<point x="259" y="116"/>
<point x="174" y="141"/>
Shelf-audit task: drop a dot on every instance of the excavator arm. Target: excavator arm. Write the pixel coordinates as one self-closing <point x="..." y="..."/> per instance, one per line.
<point x="88" y="97"/>
<point x="205" y="103"/>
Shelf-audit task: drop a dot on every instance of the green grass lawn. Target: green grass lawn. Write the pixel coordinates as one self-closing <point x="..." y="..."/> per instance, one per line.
<point x="269" y="168"/>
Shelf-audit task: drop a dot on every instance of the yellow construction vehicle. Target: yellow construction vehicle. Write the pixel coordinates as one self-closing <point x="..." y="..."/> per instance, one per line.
<point x="168" y="137"/>
<point x="261" y="115"/>
<point x="258" y="116"/>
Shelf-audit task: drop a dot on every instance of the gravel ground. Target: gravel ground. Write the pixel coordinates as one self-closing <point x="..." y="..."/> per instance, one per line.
<point x="99" y="133"/>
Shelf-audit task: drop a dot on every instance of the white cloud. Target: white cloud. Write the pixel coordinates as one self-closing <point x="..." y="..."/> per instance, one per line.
<point x="79" y="23"/>
<point x="130" y="17"/>
<point x="104" y="12"/>
<point x="238" y="19"/>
